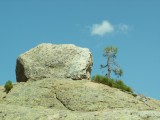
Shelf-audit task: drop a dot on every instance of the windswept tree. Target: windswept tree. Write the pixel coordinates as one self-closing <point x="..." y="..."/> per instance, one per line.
<point x="110" y="53"/>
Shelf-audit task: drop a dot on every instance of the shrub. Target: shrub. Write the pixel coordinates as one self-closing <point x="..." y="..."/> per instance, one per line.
<point x="112" y="83"/>
<point x="8" y="86"/>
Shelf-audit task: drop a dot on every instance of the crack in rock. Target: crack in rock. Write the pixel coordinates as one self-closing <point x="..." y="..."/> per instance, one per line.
<point x="63" y="103"/>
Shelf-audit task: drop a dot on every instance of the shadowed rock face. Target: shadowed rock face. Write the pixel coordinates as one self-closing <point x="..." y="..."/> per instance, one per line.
<point x="54" y="61"/>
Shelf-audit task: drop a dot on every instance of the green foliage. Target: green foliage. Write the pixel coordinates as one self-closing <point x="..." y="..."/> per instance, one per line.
<point x="118" y="72"/>
<point x="8" y="86"/>
<point x="111" y="49"/>
<point x="112" y="83"/>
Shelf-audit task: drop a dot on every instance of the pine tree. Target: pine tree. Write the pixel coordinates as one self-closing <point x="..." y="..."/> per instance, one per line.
<point x="110" y="53"/>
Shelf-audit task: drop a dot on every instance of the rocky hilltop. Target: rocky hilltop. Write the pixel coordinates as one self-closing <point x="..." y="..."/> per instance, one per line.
<point x="35" y="97"/>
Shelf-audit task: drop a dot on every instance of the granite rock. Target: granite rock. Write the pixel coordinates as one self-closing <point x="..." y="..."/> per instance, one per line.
<point x="61" y="99"/>
<point x="54" y="61"/>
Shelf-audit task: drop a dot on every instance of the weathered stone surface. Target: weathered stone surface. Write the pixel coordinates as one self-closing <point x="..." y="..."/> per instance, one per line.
<point x="12" y="112"/>
<point x="75" y="95"/>
<point x="54" y="61"/>
<point x="63" y="99"/>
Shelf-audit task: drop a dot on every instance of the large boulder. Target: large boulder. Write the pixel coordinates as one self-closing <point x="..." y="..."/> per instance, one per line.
<point x="54" y="61"/>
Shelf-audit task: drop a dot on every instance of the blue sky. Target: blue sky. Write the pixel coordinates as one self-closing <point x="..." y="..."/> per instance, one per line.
<point x="132" y="26"/>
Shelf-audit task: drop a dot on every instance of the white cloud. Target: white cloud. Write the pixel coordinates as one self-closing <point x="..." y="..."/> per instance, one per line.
<point x="106" y="27"/>
<point x="102" y="29"/>
<point x="123" y="28"/>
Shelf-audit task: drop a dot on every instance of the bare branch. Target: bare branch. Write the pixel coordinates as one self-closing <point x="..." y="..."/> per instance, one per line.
<point x="104" y="66"/>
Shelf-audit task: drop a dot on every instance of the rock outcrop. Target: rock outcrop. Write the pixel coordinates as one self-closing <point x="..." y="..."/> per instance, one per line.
<point x="54" y="61"/>
<point x="63" y="99"/>
<point x="45" y="90"/>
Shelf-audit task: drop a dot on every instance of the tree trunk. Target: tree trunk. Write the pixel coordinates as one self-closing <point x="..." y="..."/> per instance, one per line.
<point x="109" y="69"/>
